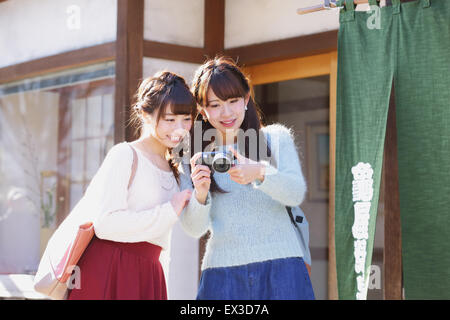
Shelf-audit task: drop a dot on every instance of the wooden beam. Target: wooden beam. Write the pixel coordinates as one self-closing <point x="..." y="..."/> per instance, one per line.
<point x="302" y="46"/>
<point x="214" y="27"/>
<point x="303" y="67"/>
<point x="247" y="55"/>
<point x="161" y="50"/>
<point x="392" y="222"/>
<point x="332" y="272"/>
<point x="129" y="63"/>
<point x="70" y="59"/>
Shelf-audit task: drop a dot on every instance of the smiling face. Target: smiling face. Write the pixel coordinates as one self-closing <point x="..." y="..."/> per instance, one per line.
<point x="226" y="116"/>
<point x="170" y="128"/>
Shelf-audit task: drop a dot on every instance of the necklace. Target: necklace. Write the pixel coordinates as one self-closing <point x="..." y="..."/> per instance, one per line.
<point x="166" y="178"/>
<point x="166" y="181"/>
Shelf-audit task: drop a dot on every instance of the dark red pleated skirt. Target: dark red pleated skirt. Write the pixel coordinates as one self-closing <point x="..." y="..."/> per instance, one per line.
<point x="111" y="270"/>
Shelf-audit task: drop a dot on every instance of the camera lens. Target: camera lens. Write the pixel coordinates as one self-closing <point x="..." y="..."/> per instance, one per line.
<point x="221" y="163"/>
<point x="221" y="166"/>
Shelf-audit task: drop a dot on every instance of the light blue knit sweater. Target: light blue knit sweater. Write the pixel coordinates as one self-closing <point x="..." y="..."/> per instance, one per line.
<point x="250" y="222"/>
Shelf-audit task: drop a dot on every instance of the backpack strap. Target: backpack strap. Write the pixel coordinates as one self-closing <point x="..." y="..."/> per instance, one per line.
<point x="298" y="219"/>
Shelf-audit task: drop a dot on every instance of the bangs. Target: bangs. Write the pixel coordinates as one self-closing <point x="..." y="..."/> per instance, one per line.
<point x="225" y="85"/>
<point x="179" y="108"/>
<point x="179" y="101"/>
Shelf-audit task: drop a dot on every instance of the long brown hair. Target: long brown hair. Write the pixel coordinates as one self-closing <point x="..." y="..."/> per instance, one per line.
<point x="227" y="80"/>
<point x="163" y="90"/>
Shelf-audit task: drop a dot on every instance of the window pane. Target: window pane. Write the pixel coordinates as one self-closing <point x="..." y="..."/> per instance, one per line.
<point x="42" y="148"/>
<point x="77" y="161"/>
<point x="108" y="115"/>
<point x="78" y="112"/>
<point x="76" y="192"/>
<point x="93" y="147"/>
<point x="94" y="121"/>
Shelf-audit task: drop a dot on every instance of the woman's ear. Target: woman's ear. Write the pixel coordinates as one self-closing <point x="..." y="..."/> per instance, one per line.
<point x="247" y="98"/>
<point x="146" y="117"/>
<point x="149" y="119"/>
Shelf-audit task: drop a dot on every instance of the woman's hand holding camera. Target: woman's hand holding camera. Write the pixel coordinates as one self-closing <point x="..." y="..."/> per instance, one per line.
<point x="247" y="170"/>
<point x="180" y="200"/>
<point x="201" y="178"/>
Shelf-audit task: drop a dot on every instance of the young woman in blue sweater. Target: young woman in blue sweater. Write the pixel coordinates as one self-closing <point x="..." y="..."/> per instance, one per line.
<point x="253" y="252"/>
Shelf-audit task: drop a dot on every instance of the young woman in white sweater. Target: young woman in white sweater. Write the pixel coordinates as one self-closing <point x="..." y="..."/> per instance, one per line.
<point x="253" y="251"/>
<point x="134" y="221"/>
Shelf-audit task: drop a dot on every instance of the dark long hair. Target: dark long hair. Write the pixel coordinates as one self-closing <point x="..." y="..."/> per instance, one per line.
<point x="163" y="90"/>
<point x="226" y="79"/>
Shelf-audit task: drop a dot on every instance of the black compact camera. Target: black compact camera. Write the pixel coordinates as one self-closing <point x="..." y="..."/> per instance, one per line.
<point x="220" y="161"/>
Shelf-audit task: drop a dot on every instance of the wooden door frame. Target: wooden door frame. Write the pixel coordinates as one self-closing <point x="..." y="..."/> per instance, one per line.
<point x="305" y="67"/>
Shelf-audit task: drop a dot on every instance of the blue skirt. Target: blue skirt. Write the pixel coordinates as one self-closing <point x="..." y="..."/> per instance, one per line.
<point x="279" y="279"/>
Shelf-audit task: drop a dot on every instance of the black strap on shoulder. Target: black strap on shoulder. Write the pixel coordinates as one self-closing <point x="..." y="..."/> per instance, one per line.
<point x="298" y="219"/>
<point x="289" y="210"/>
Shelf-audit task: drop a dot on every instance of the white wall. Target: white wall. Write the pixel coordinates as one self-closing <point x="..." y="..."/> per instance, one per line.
<point x="32" y="29"/>
<point x="183" y="270"/>
<point x="255" y="21"/>
<point x="184" y="69"/>
<point x="174" y="21"/>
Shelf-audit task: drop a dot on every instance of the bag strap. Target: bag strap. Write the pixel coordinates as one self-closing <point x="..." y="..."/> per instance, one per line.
<point x="133" y="166"/>
<point x="298" y="219"/>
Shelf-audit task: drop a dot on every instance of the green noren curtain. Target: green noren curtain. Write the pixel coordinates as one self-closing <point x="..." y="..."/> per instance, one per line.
<point x="407" y="44"/>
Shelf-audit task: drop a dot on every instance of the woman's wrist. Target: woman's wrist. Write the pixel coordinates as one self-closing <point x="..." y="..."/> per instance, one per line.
<point x="201" y="198"/>
<point x="262" y="172"/>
